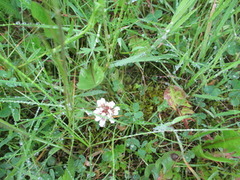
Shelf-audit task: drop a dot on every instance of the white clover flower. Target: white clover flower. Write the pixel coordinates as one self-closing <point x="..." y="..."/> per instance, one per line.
<point x="105" y="111"/>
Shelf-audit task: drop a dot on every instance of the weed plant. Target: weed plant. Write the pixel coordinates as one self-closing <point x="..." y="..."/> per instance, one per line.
<point x="172" y="67"/>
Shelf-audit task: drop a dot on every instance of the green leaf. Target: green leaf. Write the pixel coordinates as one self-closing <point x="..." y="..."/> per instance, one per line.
<point x="7" y="139"/>
<point x="229" y="140"/>
<point x="5" y="74"/>
<point x="212" y="90"/>
<point x="142" y="57"/>
<point x="228" y="113"/>
<point x="141" y="153"/>
<point x="107" y="155"/>
<point x="235" y="94"/>
<point x="235" y="83"/>
<point x="199" y="135"/>
<point x="133" y="144"/>
<point x="210" y="97"/>
<point x="51" y="161"/>
<point x="167" y="162"/>
<point x="119" y="150"/>
<point x="5" y="111"/>
<point x="10" y="8"/>
<point x="233" y="48"/>
<point x="138" y="114"/>
<point x="139" y="45"/>
<point x="148" y="171"/>
<point x="43" y="16"/>
<point x="70" y="171"/>
<point x="90" y="77"/>
<point x="92" y="93"/>
<point x="136" y="107"/>
<point x="234" y="97"/>
<point x="15" y="109"/>
<point x="154" y="16"/>
<point x="235" y="102"/>
<point x="199" y="152"/>
<point x="163" y="165"/>
<point x="10" y="83"/>
<point x="79" y="163"/>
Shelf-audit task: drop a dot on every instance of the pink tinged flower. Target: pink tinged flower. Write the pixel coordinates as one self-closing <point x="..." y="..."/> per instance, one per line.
<point x="105" y="111"/>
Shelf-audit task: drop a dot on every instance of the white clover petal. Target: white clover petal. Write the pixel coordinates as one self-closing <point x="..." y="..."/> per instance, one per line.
<point x="103" y="114"/>
<point x="110" y="104"/>
<point x="110" y="111"/>
<point x="97" y="111"/>
<point x="112" y="120"/>
<point x="115" y="110"/>
<point x="102" y="123"/>
<point x="115" y="113"/>
<point x="101" y="102"/>
<point x="98" y="118"/>
<point x="109" y="116"/>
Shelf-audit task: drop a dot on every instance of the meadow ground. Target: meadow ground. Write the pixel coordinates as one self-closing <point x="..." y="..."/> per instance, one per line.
<point x="127" y="89"/>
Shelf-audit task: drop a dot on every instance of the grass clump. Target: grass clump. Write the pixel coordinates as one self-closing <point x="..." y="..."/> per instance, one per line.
<point x="172" y="67"/>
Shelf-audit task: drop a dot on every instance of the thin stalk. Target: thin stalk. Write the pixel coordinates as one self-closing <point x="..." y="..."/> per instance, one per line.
<point x="61" y="63"/>
<point x="117" y="31"/>
<point x="184" y="159"/>
<point x="207" y="32"/>
<point x="107" y="35"/>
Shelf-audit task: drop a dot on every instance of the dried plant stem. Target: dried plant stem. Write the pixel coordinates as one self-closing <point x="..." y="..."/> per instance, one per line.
<point x="182" y="152"/>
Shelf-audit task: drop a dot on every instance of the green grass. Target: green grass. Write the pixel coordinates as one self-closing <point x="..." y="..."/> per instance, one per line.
<point x="171" y="66"/>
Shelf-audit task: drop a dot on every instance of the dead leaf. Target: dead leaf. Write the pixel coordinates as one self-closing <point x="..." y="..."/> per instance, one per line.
<point x="176" y="97"/>
<point x="186" y="111"/>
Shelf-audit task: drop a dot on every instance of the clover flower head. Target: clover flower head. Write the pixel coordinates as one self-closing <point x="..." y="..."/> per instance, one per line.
<point x="105" y="111"/>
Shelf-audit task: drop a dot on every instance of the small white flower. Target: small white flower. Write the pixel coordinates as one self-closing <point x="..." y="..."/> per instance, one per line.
<point x="105" y="111"/>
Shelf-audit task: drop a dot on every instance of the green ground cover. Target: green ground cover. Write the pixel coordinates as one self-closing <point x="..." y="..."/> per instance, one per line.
<point x="169" y="73"/>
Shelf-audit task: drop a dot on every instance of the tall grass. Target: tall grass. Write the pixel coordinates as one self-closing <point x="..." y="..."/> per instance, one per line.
<point x="57" y="58"/>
